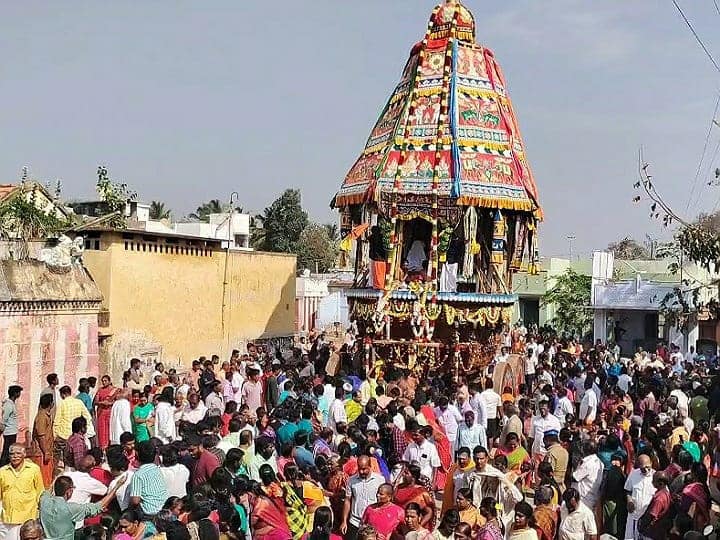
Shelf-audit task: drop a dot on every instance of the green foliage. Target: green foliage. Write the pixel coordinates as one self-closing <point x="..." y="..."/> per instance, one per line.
<point x="628" y="249"/>
<point x="315" y="249"/>
<point x="158" y="211"/>
<point x="213" y="206"/>
<point x="116" y="195"/>
<point x="22" y="219"/>
<point x="283" y="222"/>
<point x="571" y="297"/>
<point x="332" y="231"/>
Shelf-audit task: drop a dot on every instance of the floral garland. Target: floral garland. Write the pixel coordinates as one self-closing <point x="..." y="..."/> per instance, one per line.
<point x="483" y="316"/>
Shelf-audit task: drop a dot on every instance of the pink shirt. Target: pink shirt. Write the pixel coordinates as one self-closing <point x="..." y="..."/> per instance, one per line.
<point x="384" y="518"/>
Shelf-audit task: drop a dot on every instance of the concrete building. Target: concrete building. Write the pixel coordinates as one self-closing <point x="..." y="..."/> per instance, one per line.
<point x="629" y="299"/>
<point x="531" y="288"/>
<point x="48" y="324"/>
<point x="174" y="297"/>
<point x="232" y="228"/>
<point x="225" y="227"/>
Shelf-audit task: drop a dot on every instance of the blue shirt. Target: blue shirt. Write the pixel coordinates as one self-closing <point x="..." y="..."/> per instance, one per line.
<point x="286" y="432"/>
<point x="304" y="457"/>
<point x="87" y="401"/>
<point x="305" y="425"/>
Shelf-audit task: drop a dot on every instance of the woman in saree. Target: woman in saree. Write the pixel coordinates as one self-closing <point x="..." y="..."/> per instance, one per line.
<point x="523" y="528"/>
<point x="335" y="481"/>
<point x="295" y="509"/>
<point x="695" y="497"/>
<point x="411" y="491"/>
<point x="268" y="516"/>
<point x="454" y="480"/>
<point x="443" y="445"/>
<point x="103" y="405"/>
<point x="468" y="511"/>
<point x="514" y="452"/>
<point x="493" y="528"/>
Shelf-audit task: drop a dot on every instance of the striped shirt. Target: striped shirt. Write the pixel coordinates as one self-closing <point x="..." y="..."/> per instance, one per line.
<point x="148" y="483"/>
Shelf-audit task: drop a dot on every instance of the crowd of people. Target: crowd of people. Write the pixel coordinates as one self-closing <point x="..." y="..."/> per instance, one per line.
<point x="320" y="444"/>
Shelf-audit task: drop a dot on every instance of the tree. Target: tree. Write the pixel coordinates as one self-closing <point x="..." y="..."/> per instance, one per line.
<point x="214" y="206"/>
<point x="571" y="297"/>
<point x="629" y="250"/>
<point x="283" y="222"/>
<point x="116" y="195"/>
<point x="158" y="211"/>
<point x="315" y="249"/>
<point x="332" y="231"/>
<point x="21" y="219"/>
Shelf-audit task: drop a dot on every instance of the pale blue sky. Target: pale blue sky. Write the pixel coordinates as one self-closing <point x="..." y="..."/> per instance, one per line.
<point x="188" y="101"/>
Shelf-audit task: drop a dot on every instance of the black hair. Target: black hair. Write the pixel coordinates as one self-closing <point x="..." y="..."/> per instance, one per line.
<point x="46" y="401"/>
<point x="79" y="424"/>
<point x="62" y="485"/>
<point x="146" y="452"/>
<point x="126" y="437"/>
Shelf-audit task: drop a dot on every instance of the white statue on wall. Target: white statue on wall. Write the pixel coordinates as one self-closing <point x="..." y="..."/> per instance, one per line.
<point x="66" y="253"/>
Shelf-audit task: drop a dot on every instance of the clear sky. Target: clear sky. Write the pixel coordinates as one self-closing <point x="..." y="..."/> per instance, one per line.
<point x="188" y="101"/>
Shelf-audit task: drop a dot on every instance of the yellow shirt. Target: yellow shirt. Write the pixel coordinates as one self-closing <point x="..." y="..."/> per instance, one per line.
<point x="20" y="492"/>
<point x="69" y="409"/>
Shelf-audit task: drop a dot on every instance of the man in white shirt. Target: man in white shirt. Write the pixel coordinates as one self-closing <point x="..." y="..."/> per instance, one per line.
<point x="493" y="403"/>
<point x="589" y="403"/>
<point x="531" y="360"/>
<point x="587" y="477"/>
<point x="360" y="492"/>
<point x="676" y="360"/>
<point x="690" y="356"/>
<point x="478" y="405"/>
<point x="195" y="409"/>
<point x="85" y="485"/>
<point x="640" y="490"/>
<point x="470" y="434"/>
<point x="120" y="416"/>
<point x="624" y="380"/>
<point x="165" y="429"/>
<point x="175" y="474"/>
<point x="564" y="406"/>
<point x="214" y="400"/>
<point x="540" y="424"/>
<point x="577" y="521"/>
<point x="682" y="400"/>
<point x="422" y="451"/>
<point x="337" y="412"/>
<point x="119" y="469"/>
<point x="448" y="417"/>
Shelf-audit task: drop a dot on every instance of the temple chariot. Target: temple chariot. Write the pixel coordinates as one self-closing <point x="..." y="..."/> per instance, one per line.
<point x="441" y="207"/>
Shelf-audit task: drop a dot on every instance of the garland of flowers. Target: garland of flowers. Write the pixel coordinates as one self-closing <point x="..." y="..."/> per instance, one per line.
<point x="483" y="316"/>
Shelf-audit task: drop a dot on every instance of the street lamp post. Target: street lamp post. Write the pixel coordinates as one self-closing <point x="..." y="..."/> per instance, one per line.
<point x="225" y="333"/>
<point x="570" y="239"/>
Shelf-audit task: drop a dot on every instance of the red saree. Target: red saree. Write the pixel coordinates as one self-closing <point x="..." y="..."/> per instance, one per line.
<point x="103" y="415"/>
<point x="442" y="443"/>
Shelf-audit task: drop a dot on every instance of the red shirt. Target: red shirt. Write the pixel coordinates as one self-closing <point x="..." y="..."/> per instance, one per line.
<point x="204" y="467"/>
<point x="225" y="427"/>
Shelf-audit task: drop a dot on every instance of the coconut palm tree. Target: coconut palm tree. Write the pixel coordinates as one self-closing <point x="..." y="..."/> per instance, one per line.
<point x="203" y="211"/>
<point x="158" y="211"/>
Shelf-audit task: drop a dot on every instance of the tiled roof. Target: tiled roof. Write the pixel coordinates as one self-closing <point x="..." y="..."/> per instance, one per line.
<point x="6" y="190"/>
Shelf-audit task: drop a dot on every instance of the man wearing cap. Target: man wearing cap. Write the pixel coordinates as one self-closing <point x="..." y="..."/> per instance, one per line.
<point x="557" y="456"/>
